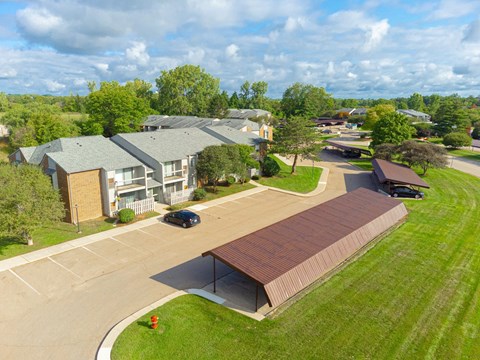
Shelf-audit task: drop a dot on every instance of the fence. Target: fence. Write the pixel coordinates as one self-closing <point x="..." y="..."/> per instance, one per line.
<point x="139" y="206"/>
<point x="179" y="196"/>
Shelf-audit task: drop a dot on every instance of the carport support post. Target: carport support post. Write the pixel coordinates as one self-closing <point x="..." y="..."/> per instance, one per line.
<point x="214" y="277"/>
<point x="256" y="298"/>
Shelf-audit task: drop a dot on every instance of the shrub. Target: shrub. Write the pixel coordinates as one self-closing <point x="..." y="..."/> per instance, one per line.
<point x="244" y="180"/>
<point x="270" y="167"/>
<point x="457" y="139"/>
<point x="255" y="177"/>
<point x="126" y="215"/>
<point x="199" y="194"/>
<point x="231" y="180"/>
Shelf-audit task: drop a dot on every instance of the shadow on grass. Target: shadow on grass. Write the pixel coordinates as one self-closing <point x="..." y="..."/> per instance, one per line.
<point x="143" y="323"/>
<point x="7" y="241"/>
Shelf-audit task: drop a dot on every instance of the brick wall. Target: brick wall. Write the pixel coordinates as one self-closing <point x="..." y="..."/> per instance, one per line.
<point x="62" y="178"/>
<point x="86" y="191"/>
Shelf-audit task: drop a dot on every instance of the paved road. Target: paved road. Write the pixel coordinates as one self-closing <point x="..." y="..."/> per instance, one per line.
<point x="471" y="167"/>
<point x="62" y="306"/>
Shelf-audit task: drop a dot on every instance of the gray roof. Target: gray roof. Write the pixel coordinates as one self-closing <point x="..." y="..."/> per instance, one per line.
<point x="181" y="122"/>
<point x="247" y="113"/>
<point x="413" y="113"/>
<point x="170" y="145"/>
<point x="34" y="154"/>
<point x="232" y="136"/>
<point x="84" y="153"/>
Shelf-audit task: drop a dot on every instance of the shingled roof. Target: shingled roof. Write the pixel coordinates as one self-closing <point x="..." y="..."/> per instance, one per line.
<point x="287" y="256"/>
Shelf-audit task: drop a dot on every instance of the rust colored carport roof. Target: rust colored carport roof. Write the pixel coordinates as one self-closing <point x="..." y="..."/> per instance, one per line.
<point x="387" y="171"/>
<point x="348" y="147"/>
<point x="287" y="256"/>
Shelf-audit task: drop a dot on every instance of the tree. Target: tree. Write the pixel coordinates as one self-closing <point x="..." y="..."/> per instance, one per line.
<point x="218" y="105"/>
<point x="3" y="102"/>
<point x="212" y="165"/>
<point x="415" y="102"/>
<point x="425" y="155"/>
<point x="385" y="151"/>
<point x="450" y="116"/>
<point x="258" y="91"/>
<point x="392" y="128"/>
<point x="306" y="101"/>
<point x="297" y="137"/>
<point x="375" y="113"/>
<point x="186" y="90"/>
<point x="115" y="109"/>
<point x="234" y="101"/>
<point x="457" y="140"/>
<point x="244" y="95"/>
<point x="28" y="201"/>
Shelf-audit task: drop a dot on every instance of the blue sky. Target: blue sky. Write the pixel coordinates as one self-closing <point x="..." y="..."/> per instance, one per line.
<point x="353" y="48"/>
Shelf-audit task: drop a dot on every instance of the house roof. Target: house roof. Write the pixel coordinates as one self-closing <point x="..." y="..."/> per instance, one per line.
<point x="181" y="122"/>
<point x="232" y="136"/>
<point x="247" y="113"/>
<point x="170" y="145"/>
<point x="387" y="171"/>
<point x="287" y="256"/>
<point x="90" y="152"/>
<point x="413" y="113"/>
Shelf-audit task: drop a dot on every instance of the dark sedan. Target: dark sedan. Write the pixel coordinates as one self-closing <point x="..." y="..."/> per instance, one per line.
<point x="405" y="191"/>
<point x="185" y="218"/>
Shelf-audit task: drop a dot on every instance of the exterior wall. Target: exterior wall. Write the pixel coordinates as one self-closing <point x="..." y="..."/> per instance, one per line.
<point x="266" y="132"/>
<point x="62" y="177"/>
<point x="86" y="191"/>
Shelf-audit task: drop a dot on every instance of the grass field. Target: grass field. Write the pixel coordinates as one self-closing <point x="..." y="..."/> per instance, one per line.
<point x="467" y="154"/>
<point x="304" y="181"/>
<point x="415" y="295"/>
<point x="56" y="234"/>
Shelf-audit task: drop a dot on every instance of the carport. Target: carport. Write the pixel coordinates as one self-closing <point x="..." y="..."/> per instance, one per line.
<point x="286" y="257"/>
<point x="389" y="173"/>
<point x="344" y="147"/>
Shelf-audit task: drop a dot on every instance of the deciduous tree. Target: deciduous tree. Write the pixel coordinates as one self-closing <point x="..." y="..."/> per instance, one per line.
<point x="425" y="155"/>
<point x="306" y="101"/>
<point x="375" y="113"/>
<point x="391" y="128"/>
<point x="186" y="90"/>
<point x="28" y="201"/>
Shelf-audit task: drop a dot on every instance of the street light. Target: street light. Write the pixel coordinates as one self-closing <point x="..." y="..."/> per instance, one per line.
<point x="78" y="220"/>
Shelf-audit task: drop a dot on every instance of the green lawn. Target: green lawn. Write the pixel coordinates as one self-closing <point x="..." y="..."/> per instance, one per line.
<point x="304" y="181"/>
<point x="415" y="295"/>
<point x="467" y="154"/>
<point x="56" y="234"/>
<point x="364" y="163"/>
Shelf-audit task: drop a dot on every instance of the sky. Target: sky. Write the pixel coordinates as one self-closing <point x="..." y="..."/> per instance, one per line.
<point x="352" y="48"/>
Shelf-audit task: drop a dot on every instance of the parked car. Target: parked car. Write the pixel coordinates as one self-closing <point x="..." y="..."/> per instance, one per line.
<point x="354" y="154"/>
<point x="405" y="191"/>
<point x="186" y="218"/>
<point x="327" y="131"/>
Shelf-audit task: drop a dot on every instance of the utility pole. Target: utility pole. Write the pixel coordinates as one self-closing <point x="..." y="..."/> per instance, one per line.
<point x="78" y="220"/>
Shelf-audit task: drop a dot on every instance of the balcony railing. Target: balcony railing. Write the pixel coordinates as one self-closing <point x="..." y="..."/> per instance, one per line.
<point x="174" y="175"/>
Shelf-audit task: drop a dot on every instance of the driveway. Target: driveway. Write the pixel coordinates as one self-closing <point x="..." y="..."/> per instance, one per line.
<point x="471" y="167"/>
<point x="60" y="307"/>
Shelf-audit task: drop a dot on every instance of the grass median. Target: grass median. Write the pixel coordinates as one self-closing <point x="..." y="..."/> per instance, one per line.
<point x="304" y="181"/>
<point x="414" y="295"/>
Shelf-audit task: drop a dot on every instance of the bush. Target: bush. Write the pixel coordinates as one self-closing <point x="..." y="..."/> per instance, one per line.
<point x="457" y="139"/>
<point x="199" y="194"/>
<point x="255" y="177"/>
<point x="476" y="133"/>
<point x="231" y="180"/>
<point x="270" y="167"/>
<point x="126" y="215"/>
<point x="244" y="180"/>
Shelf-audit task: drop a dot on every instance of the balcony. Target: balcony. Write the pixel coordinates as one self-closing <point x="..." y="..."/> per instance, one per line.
<point x="174" y="176"/>
<point x="124" y="186"/>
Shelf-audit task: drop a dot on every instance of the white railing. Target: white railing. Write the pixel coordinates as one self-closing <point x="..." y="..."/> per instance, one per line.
<point x="179" y="196"/>
<point x="140" y="206"/>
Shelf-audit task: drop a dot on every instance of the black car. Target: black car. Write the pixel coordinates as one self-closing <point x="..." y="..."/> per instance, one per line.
<point x="405" y="191"/>
<point x="186" y="218"/>
<point x="352" y="154"/>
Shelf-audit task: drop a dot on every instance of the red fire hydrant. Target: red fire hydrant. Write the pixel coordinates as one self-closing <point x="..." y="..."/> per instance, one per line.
<point x="154" y="321"/>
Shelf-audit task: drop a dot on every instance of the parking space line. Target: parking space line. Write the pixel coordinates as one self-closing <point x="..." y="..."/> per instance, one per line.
<point x="100" y="256"/>
<point x="63" y="267"/>
<point x="26" y="283"/>
<point x="134" y="248"/>
<point x="143" y="232"/>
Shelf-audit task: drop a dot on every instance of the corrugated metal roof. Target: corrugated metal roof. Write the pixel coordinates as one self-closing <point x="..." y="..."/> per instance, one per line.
<point x="348" y="147"/>
<point x="387" y="171"/>
<point x="287" y="256"/>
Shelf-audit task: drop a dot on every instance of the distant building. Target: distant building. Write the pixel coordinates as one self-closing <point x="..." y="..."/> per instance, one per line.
<point x="4" y="131"/>
<point x="416" y="115"/>
<point x="248" y="114"/>
<point x="353" y="111"/>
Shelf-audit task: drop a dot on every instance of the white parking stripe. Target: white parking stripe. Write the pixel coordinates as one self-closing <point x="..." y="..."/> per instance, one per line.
<point x="26" y="283"/>
<point x="100" y="256"/>
<point x="63" y="267"/>
<point x="132" y="247"/>
<point x="144" y="232"/>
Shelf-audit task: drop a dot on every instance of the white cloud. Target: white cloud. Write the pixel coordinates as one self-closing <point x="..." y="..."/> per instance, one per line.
<point x="297" y="23"/>
<point x="231" y="51"/>
<point x="54" y="86"/>
<point x="8" y="73"/>
<point x="447" y="9"/>
<point x="137" y="53"/>
<point x="472" y="32"/>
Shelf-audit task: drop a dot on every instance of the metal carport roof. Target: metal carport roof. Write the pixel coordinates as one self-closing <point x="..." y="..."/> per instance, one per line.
<point x="287" y="256"/>
<point x="388" y="172"/>
<point x="348" y="147"/>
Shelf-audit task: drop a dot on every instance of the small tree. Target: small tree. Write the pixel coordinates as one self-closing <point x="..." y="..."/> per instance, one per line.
<point x="28" y="201"/>
<point x="425" y="155"/>
<point x="457" y="139"/>
<point x="385" y="151"/>
<point x="392" y="128"/>
<point x="298" y="138"/>
<point x="213" y="162"/>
